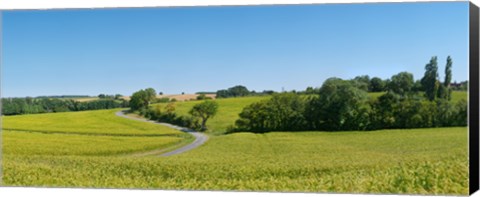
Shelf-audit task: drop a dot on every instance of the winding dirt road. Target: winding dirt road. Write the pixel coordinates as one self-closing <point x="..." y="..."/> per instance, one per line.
<point x="200" y="138"/>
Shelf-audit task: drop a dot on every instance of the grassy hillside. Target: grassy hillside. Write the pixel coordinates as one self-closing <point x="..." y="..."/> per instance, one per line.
<point x="420" y="161"/>
<point x="227" y="114"/>
<point x="100" y="122"/>
<point x="458" y="95"/>
<point x="230" y="108"/>
<point x="28" y="143"/>
<point x="84" y="133"/>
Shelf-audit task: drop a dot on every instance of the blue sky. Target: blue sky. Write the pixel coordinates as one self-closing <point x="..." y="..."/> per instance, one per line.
<point x="190" y="49"/>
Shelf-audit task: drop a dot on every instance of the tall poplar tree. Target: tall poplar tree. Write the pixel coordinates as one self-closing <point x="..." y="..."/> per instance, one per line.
<point x="448" y="78"/>
<point x="430" y="79"/>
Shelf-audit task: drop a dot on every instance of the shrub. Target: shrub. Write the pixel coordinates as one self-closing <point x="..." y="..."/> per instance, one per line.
<point x="162" y="100"/>
<point x="203" y="97"/>
<point x="283" y="112"/>
<point x="204" y="111"/>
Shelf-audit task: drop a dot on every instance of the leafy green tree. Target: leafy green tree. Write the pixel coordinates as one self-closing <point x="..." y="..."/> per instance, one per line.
<point x="204" y="111"/>
<point x="340" y="106"/>
<point x="137" y="100"/>
<point x="236" y="91"/>
<point x="448" y="79"/>
<point x="362" y="82"/>
<point x="141" y="99"/>
<point x="383" y="111"/>
<point x="310" y="90"/>
<point x="430" y="79"/>
<point x="461" y="109"/>
<point x="443" y="92"/>
<point x="406" y="114"/>
<point x="151" y="94"/>
<point x="428" y="113"/>
<point x="254" y="117"/>
<point x="376" y="85"/>
<point x="417" y="86"/>
<point x="446" y="113"/>
<point x="401" y="83"/>
<point x="222" y="94"/>
<point x="448" y="72"/>
<point x="118" y="96"/>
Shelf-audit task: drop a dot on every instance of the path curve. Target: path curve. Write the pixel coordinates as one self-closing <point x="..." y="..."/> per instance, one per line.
<point x="200" y="138"/>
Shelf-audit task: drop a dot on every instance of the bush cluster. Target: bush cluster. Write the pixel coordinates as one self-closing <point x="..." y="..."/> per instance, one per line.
<point x="168" y="115"/>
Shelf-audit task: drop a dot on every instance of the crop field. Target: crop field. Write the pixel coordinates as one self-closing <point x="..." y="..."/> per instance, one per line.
<point x="28" y="143"/>
<point x="98" y="149"/>
<point x="101" y="122"/>
<point x="84" y="133"/>
<point x="420" y="161"/>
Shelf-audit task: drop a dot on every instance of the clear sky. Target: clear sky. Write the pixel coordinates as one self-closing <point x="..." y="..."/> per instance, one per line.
<point x="190" y="49"/>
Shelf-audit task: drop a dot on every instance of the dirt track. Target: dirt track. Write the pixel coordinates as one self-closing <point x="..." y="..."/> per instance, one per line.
<point x="200" y="138"/>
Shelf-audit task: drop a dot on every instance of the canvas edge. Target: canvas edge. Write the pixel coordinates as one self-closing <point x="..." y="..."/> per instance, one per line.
<point x="473" y="97"/>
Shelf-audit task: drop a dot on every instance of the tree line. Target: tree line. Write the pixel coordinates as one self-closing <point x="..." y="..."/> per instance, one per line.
<point x="240" y="91"/>
<point x="29" y="105"/>
<point x="364" y="82"/>
<point x="343" y="105"/>
<point x="199" y="114"/>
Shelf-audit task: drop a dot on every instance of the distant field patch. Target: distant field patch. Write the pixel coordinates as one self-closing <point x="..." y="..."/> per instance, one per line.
<point x="103" y="122"/>
<point x="86" y="99"/>
<point x="180" y="97"/>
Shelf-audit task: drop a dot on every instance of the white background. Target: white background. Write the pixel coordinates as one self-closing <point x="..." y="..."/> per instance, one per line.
<point x="49" y="4"/>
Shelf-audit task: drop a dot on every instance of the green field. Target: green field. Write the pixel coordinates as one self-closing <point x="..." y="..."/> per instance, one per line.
<point x="92" y="133"/>
<point x="100" y="122"/>
<point x="458" y="95"/>
<point x="421" y="161"/>
<point x="228" y="111"/>
<point x="27" y="143"/>
<point x="99" y="149"/>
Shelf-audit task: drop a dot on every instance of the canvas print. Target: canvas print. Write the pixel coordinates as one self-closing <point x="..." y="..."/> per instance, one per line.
<point x="324" y="98"/>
